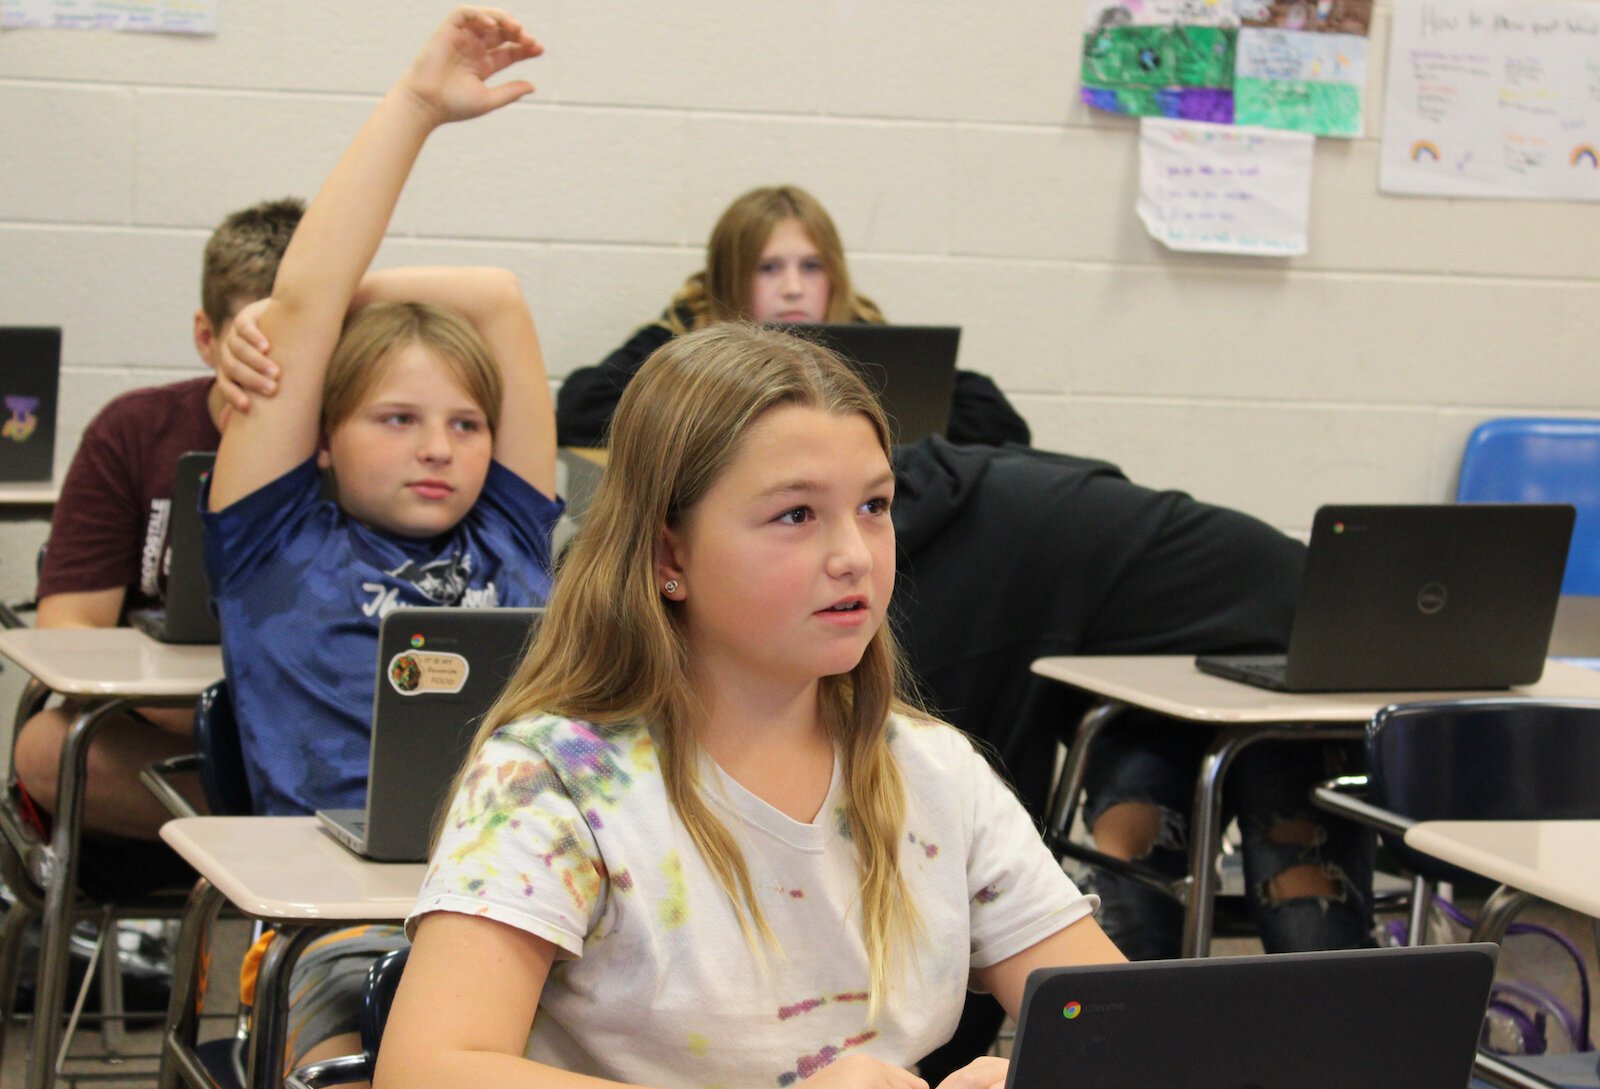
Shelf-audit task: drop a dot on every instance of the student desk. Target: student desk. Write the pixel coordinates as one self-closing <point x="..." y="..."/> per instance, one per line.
<point x="1556" y="860"/>
<point x="106" y="670"/>
<point x="20" y="500"/>
<point x="1172" y="686"/>
<point x="285" y="871"/>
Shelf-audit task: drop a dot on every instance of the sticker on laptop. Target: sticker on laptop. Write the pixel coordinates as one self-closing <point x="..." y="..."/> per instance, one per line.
<point x="414" y="672"/>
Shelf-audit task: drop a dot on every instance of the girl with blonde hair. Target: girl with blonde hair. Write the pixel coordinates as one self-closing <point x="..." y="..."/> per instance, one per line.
<point x="703" y="839"/>
<point x="774" y="256"/>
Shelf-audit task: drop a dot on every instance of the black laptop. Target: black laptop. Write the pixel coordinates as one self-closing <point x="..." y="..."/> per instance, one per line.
<point x="439" y="672"/>
<point x="912" y="368"/>
<point x="1373" y="1018"/>
<point x="30" y="384"/>
<point x="1419" y="598"/>
<point x="186" y="616"/>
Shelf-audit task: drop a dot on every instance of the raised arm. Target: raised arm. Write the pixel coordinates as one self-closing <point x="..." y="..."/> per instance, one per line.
<point x="491" y="299"/>
<point x="341" y="231"/>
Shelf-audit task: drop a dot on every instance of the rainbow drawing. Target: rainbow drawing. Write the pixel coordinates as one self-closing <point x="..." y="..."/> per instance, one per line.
<point x="1585" y="152"/>
<point x="1424" y="147"/>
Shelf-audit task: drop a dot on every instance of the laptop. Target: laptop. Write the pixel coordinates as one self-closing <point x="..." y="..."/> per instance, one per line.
<point x="1419" y="598"/>
<point x="186" y="616"/>
<point x="439" y="672"/>
<point x="1356" y="1017"/>
<point x="912" y="368"/>
<point x="30" y="384"/>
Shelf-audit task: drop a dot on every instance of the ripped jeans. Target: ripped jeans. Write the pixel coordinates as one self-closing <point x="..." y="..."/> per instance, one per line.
<point x="1267" y="788"/>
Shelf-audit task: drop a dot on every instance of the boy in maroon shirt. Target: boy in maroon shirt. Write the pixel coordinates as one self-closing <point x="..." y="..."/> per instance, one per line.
<point x="108" y="553"/>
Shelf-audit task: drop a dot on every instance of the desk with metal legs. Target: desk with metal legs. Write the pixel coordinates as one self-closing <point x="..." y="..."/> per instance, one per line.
<point x="106" y="670"/>
<point x="1172" y="686"/>
<point x="286" y="871"/>
<point x="1556" y="860"/>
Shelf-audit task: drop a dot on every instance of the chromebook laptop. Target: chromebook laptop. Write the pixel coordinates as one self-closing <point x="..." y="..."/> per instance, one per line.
<point x="1419" y="598"/>
<point x="1362" y="1017"/>
<point x="30" y="385"/>
<point x="912" y="368"/>
<point x="439" y="672"/>
<point x="186" y="616"/>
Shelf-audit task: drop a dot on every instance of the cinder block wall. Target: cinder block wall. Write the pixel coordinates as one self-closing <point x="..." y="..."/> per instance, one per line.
<point x="970" y="187"/>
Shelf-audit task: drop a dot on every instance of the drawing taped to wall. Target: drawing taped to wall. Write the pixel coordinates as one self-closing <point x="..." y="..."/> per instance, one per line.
<point x="1289" y="64"/>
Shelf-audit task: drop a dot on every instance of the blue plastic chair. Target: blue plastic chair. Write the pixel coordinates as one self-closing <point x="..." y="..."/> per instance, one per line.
<point x="1542" y="460"/>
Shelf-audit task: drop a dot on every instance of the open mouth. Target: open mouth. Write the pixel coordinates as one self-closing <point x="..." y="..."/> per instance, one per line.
<point x="846" y="607"/>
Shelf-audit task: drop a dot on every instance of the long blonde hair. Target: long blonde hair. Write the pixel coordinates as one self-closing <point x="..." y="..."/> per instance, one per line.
<point x="613" y="649"/>
<point x="722" y="291"/>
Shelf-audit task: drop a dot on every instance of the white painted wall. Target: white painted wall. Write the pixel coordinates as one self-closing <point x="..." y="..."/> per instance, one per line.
<point x="968" y="183"/>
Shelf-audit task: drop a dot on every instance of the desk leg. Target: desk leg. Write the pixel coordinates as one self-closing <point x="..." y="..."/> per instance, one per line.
<point x="60" y="894"/>
<point x="271" y="1032"/>
<point x="1498" y="911"/>
<point x="1064" y="802"/>
<point x="1205" y="828"/>
<point x="1502" y="1075"/>
<point x="178" y="1061"/>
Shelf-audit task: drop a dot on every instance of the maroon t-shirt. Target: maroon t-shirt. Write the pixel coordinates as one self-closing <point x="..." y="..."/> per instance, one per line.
<point x="110" y="524"/>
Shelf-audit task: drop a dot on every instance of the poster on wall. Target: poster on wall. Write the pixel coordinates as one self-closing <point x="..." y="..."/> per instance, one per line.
<point x="1490" y="99"/>
<point x="150" y="16"/>
<point x="1224" y="188"/>
<point x="1288" y="64"/>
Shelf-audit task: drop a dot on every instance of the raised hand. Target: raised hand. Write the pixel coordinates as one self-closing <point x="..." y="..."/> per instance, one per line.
<point x="243" y="367"/>
<point x="449" y="77"/>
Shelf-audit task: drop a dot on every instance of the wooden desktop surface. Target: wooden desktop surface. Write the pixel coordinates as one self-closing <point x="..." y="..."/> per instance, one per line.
<point x="111" y="662"/>
<point x="288" y="869"/>
<point x="1557" y="861"/>
<point x="1171" y="685"/>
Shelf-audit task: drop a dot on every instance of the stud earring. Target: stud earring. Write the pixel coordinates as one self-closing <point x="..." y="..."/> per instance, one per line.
<point x="671" y="587"/>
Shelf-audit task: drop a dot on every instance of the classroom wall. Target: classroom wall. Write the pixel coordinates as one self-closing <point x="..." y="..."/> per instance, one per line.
<point x="969" y="184"/>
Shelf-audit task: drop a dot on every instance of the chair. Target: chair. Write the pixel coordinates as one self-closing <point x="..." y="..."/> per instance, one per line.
<point x="383" y="978"/>
<point x="1476" y="759"/>
<point x="1542" y="460"/>
<point x="218" y="760"/>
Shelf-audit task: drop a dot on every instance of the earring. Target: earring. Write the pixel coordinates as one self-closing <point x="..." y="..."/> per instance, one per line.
<point x="671" y="587"/>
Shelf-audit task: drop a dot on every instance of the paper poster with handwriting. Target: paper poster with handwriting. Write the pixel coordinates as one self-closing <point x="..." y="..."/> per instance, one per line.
<point x="1493" y="100"/>
<point x="1292" y="64"/>
<point x="1224" y="188"/>
<point x="152" y="16"/>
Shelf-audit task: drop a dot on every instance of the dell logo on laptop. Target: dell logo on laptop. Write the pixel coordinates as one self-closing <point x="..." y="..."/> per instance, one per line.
<point x="1431" y="598"/>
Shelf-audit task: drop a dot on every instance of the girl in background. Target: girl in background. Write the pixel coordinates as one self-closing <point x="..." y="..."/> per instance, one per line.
<point x="774" y="256"/>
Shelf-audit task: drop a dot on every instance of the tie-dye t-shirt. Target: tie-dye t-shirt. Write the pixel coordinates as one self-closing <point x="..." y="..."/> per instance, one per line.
<point x="563" y="829"/>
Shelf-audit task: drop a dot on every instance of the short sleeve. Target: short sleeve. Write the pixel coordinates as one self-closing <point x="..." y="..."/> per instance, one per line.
<point x="1018" y="894"/>
<point x="249" y="530"/>
<point x="524" y="513"/>
<point x="96" y="530"/>
<point x="515" y="848"/>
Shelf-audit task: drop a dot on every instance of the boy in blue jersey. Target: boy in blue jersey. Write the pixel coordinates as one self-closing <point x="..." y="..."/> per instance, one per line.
<point x="431" y="409"/>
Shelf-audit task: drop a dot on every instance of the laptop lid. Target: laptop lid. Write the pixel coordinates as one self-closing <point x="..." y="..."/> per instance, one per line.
<point x="912" y="369"/>
<point x="1361" y="1017"/>
<point x="439" y="672"/>
<point x="1441" y="596"/>
<point x="30" y="385"/>
<point x="189" y="618"/>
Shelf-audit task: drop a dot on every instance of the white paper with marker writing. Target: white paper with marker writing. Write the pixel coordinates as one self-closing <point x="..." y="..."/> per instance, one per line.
<point x="1224" y="188"/>
<point x="150" y="16"/>
<point x="1493" y="99"/>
